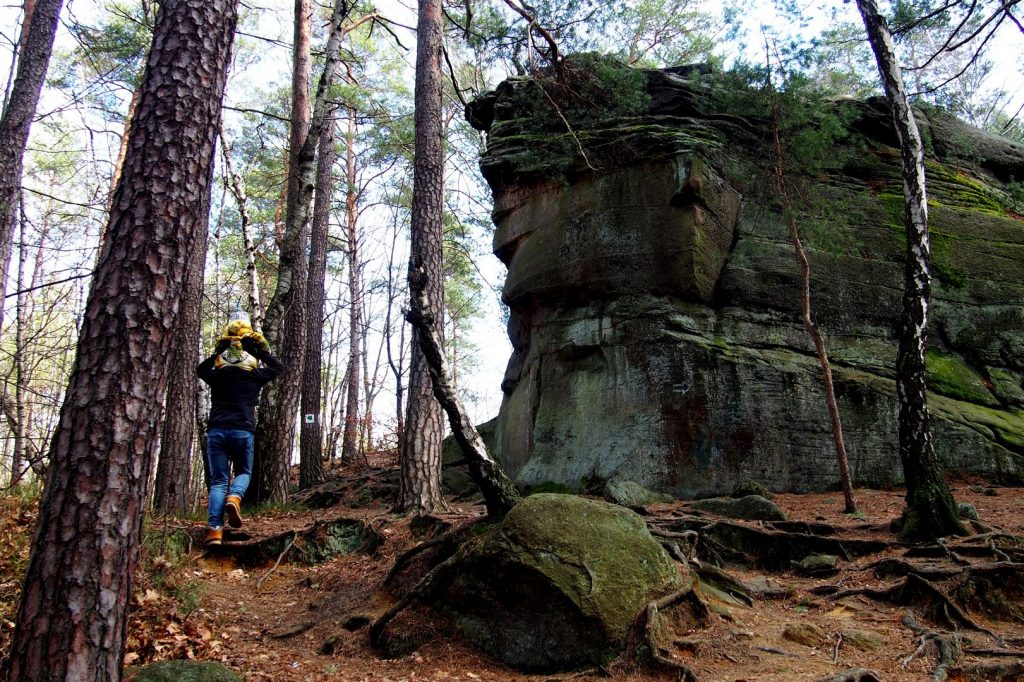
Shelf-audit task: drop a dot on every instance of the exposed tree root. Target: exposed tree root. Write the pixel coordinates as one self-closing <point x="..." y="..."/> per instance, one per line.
<point x="854" y="675"/>
<point x="650" y="637"/>
<point x="946" y="643"/>
<point x="914" y="590"/>
<point x="989" y="671"/>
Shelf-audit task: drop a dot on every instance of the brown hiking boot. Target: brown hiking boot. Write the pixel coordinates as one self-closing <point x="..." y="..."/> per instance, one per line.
<point x="233" y="511"/>
<point x="214" y="536"/>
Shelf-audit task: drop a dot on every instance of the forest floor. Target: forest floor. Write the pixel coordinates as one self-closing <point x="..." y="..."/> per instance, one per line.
<point x="277" y="620"/>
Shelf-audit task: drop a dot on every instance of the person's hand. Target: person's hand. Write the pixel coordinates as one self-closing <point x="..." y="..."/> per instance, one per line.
<point x="222" y="346"/>
<point x="251" y="346"/>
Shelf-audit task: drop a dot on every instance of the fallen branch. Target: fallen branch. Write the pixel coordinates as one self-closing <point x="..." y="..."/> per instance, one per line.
<point x="259" y="583"/>
<point x="773" y="650"/>
<point x="423" y="588"/>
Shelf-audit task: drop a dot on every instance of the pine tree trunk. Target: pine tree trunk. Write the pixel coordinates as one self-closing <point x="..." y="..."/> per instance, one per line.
<point x="931" y="511"/>
<point x="72" y="619"/>
<point x="174" y="466"/>
<point x="499" y="492"/>
<point x="349" y="437"/>
<point x="285" y="322"/>
<point x="843" y="463"/>
<point x="311" y="463"/>
<point x="421" y="446"/>
<point x="33" y="60"/>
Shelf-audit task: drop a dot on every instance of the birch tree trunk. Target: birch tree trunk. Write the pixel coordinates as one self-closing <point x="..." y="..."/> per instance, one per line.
<point x="349" y="437"/>
<point x="237" y="186"/>
<point x="33" y="61"/>
<point x="931" y="511"/>
<point x="285" y="326"/>
<point x="420" y="491"/>
<point x="311" y="464"/>
<point x="72" y="619"/>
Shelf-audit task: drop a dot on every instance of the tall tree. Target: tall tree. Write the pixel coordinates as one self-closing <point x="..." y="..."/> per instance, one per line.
<point x="931" y="511"/>
<point x="311" y="465"/>
<point x="38" y="30"/>
<point x="174" y="466"/>
<point x="72" y="619"/>
<point x="421" y="445"/>
<point x="285" y="315"/>
<point x="285" y="324"/>
<point x="356" y="352"/>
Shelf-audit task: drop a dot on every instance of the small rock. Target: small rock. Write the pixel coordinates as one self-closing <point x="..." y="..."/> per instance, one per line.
<point x="818" y="565"/>
<point x="749" y="508"/>
<point x="751" y="487"/>
<point x="766" y="588"/>
<point x="991" y="492"/>
<point x="631" y="494"/>
<point x="968" y="511"/>
<point x="865" y="640"/>
<point x="807" y="634"/>
<point x="330" y="645"/>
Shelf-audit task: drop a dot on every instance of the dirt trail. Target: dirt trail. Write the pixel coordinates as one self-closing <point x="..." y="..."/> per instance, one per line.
<point x="297" y="622"/>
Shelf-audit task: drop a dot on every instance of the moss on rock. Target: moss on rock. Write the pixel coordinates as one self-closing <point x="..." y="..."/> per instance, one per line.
<point x="556" y="585"/>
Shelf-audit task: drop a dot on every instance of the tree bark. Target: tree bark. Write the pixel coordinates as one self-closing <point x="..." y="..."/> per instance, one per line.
<point x="931" y="511"/>
<point x="311" y="462"/>
<point x="237" y="186"/>
<point x="72" y="619"/>
<point x="500" y="493"/>
<point x="19" y="424"/>
<point x="349" y="437"/>
<point x="174" y="466"/>
<point x="285" y="327"/>
<point x="33" y="61"/>
<point x="421" y="446"/>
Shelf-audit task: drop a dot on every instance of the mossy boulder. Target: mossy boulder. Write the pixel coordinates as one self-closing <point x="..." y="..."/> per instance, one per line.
<point x="749" y="508"/>
<point x="632" y="494"/>
<point x="184" y="671"/>
<point x="557" y="584"/>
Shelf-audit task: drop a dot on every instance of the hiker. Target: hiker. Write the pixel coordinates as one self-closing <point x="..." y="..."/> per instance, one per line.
<point x="239" y="367"/>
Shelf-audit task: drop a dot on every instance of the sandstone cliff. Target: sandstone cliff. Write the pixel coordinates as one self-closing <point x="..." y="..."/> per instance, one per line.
<point x="655" y="298"/>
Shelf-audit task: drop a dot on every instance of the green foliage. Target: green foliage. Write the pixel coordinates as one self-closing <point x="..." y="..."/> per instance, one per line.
<point x="814" y="131"/>
<point x="549" y="487"/>
<point x="585" y="91"/>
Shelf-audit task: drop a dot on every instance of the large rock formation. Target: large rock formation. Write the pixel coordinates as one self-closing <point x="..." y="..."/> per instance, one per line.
<point x="655" y="297"/>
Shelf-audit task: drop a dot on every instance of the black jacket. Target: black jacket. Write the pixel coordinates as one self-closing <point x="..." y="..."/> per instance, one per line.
<point x="236" y="392"/>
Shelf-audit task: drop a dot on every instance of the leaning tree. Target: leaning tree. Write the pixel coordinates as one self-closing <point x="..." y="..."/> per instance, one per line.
<point x="72" y="619"/>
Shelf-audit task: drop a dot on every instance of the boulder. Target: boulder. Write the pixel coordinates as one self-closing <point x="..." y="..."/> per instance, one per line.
<point x="749" y="508"/>
<point x="184" y="671"/>
<point x="632" y="494"/>
<point x="556" y="585"/>
<point x="807" y="634"/>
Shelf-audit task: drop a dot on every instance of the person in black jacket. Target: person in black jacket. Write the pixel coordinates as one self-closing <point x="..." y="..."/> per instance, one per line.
<point x="235" y="373"/>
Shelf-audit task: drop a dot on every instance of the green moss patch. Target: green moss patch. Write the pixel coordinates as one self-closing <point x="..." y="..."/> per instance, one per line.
<point x="950" y="375"/>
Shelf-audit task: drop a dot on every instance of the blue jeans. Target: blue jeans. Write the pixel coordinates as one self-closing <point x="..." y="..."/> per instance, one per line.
<point x="226" y="448"/>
